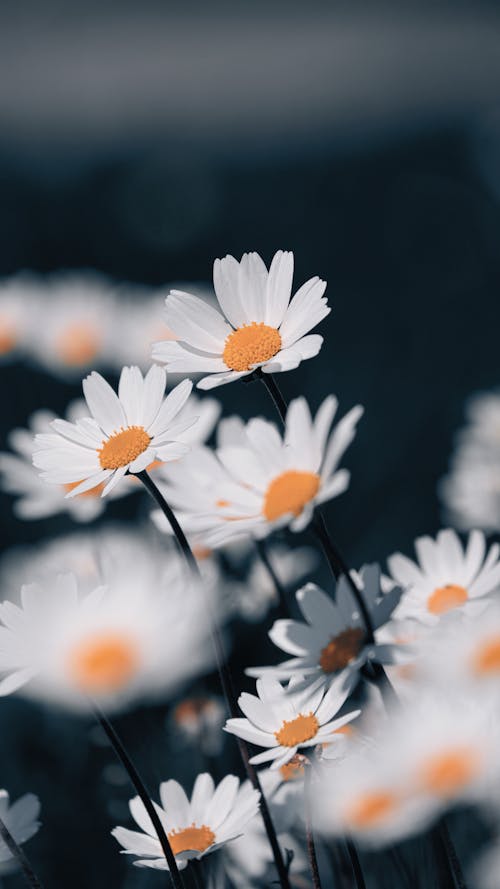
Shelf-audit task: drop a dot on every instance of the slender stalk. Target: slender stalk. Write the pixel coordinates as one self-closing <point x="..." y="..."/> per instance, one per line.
<point x="311" y="846"/>
<point x="225" y="678"/>
<point x="278" y="586"/>
<point x="444" y="839"/>
<point x="137" y="782"/>
<point x="355" y="864"/>
<point x="16" y="851"/>
<point x="274" y="391"/>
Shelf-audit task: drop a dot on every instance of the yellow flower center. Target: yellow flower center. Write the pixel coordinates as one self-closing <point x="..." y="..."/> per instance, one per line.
<point x="289" y="493"/>
<point x="93" y="492"/>
<point x="293" y="770"/>
<point x="371" y="808"/>
<point x="78" y="344"/>
<point x="447" y="773"/>
<point x="445" y="598"/>
<point x="341" y="650"/>
<point x="199" y="838"/>
<point x="123" y="447"/>
<point x="303" y="728"/>
<point x="487" y="657"/>
<point x="8" y="337"/>
<point x="104" y="663"/>
<point x="249" y="345"/>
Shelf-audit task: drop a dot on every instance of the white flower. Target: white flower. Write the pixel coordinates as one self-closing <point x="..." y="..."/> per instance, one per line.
<point x="259" y="327"/>
<point x="38" y="500"/>
<point x="285" y="720"/>
<point x="446" y="576"/>
<point x="249" y="863"/>
<point x="19" y="313"/>
<point x="332" y="640"/>
<point x="195" y="827"/>
<point x="20" y="819"/>
<point x="126" y="432"/>
<point x="116" y="644"/>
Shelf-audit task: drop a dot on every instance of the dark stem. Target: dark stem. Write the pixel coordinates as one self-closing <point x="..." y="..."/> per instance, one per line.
<point x="278" y="586"/>
<point x="274" y="391"/>
<point x="355" y="864"/>
<point x="28" y="872"/>
<point x="311" y="846"/>
<point x="137" y="782"/>
<point x="225" y="679"/>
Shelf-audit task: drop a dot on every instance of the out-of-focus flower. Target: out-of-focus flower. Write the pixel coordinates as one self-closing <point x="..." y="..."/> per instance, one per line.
<point x="21" y="820"/>
<point x="332" y="640"/>
<point x="195" y="827"/>
<point x="263" y="327"/>
<point x="126" y="432"/>
<point x="249" y="863"/>
<point x="198" y="721"/>
<point x="37" y="499"/>
<point x="285" y="720"/>
<point x="252" y="599"/>
<point x="114" y="644"/>
<point x="19" y="311"/>
<point x="446" y="576"/>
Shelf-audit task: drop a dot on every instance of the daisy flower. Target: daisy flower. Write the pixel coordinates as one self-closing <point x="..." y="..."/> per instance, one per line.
<point x="19" y="310"/>
<point x="36" y="499"/>
<point x="284" y="720"/>
<point x="447" y="576"/>
<point x="21" y="820"/>
<point x="195" y="827"/>
<point x="125" y="433"/>
<point x="259" y="325"/>
<point x="331" y="640"/>
<point x="115" y="644"/>
<point x="248" y="861"/>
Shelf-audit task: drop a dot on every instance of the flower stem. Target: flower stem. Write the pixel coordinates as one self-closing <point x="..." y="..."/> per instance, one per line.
<point x="278" y="586"/>
<point x="443" y="839"/>
<point x="28" y="872"/>
<point x="274" y="391"/>
<point x="311" y="846"/>
<point x="225" y="678"/>
<point x="355" y="864"/>
<point x="137" y="782"/>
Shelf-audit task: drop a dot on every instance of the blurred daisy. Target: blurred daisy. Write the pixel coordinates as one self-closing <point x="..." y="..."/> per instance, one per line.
<point x="195" y="827"/>
<point x="21" y="820"/>
<point x="447" y="576"/>
<point x="259" y="327"/>
<point x="19" y="309"/>
<point x="198" y="721"/>
<point x="126" y="432"/>
<point x="36" y="499"/>
<point x="248" y="861"/>
<point x="116" y="645"/>
<point x="331" y="641"/>
<point x="252" y="599"/>
<point x="285" y="720"/>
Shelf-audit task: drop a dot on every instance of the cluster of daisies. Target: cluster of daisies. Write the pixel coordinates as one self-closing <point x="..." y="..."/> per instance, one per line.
<point x="379" y="712"/>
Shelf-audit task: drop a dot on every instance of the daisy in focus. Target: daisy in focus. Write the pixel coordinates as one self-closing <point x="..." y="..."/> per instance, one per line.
<point x="260" y="326"/>
<point x="125" y="432"/>
<point x="446" y="576"/>
<point x="284" y="720"/>
<point x="21" y="820"/>
<point x="331" y="641"/>
<point x="212" y="817"/>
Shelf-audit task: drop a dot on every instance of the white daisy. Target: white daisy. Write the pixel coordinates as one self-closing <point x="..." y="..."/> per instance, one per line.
<point x="20" y="819"/>
<point x="126" y="432"/>
<point x="248" y="861"/>
<point x="332" y="640"/>
<point x="116" y="644"/>
<point x="285" y="720"/>
<point x="19" y="314"/>
<point x="259" y="327"/>
<point x="196" y="826"/>
<point x="36" y="499"/>
<point x="446" y="576"/>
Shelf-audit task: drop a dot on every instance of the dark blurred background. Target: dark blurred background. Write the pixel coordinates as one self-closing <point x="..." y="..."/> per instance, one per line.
<point x="143" y="140"/>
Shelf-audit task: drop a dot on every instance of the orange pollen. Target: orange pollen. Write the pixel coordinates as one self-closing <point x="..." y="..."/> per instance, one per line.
<point x="199" y="838"/>
<point x="93" y="492"/>
<point x="297" y="731"/>
<point x="222" y="503"/>
<point x="154" y="465"/>
<point x="445" y="598"/>
<point x="104" y="663"/>
<point x="249" y="345"/>
<point x="487" y="658"/>
<point x="293" y="770"/>
<point x="371" y="809"/>
<point x="447" y="773"/>
<point x="78" y="344"/>
<point x="123" y="447"/>
<point x="202" y="552"/>
<point x="289" y="493"/>
<point x="345" y="730"/>
<point x="341" y="650"/>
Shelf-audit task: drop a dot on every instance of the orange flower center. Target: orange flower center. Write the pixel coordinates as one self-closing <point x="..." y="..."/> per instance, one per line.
<point x="93" y="492"/>
<point x="487" y="658"/>
<point x="447" y="773"/>
<point x="104" y="664"/>
<point x="123" y="447"/>
<point x="296" y="731"/>
<point x="78" y="344"/>
<point x="7" y="338"/>
<point x="293" y="770"/>
<point x="341" y="650"/>
<point x="447" y="597"/>
<point x="371" y="808"/>
<point x="289" y="493"/>
<point x="199" y="838"/>
<point x="249" y="345"/>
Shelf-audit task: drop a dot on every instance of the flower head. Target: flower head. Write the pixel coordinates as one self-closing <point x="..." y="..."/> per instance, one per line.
<point x="259" y="325"/>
